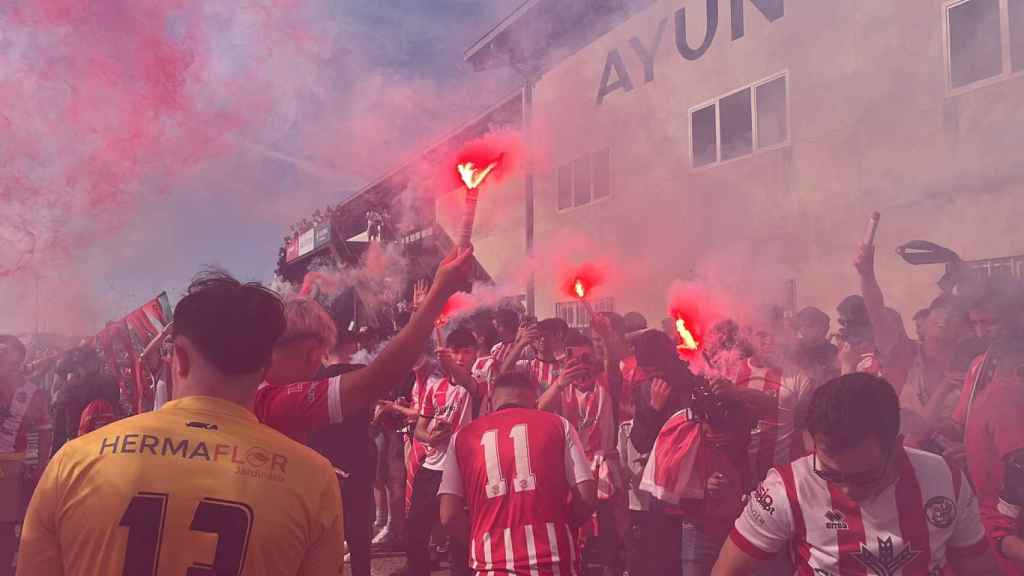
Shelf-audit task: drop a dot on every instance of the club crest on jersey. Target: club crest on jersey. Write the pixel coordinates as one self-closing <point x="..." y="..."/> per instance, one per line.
<point x="940" y="511"/>
<point x="836" y="521"/>
<point x="765" y="500"/>
<point x="887" y="562"/>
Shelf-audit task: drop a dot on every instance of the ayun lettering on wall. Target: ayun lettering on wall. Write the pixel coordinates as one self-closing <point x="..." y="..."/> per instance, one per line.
<point x="616" y="75"/>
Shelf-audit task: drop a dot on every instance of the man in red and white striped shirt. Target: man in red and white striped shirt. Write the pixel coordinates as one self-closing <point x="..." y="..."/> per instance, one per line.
<point x="447" y="407"/>
<point x="523" y="476"/>
<point x="861" y="503"/>
<point x="548" y="338"/>
<point x="776" y="439"/>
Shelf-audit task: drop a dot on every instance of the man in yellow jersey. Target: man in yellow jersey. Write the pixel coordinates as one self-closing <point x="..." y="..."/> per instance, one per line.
<point x="199" y="487"/>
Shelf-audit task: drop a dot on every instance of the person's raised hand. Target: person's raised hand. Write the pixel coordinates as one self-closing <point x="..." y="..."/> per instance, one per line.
<point x="864" y="262"/>
<point x="660" y="393"/>
<point x="455" y="273"/>
<point x="574" y="371"/>
<point x="528" y="334"/>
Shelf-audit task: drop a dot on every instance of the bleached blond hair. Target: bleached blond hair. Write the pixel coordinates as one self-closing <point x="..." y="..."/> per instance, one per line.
<point x="306" y="317"/>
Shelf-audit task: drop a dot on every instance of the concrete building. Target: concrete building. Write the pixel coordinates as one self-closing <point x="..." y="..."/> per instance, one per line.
<point x="759" y="135"/>
<point x="747" y="142"/>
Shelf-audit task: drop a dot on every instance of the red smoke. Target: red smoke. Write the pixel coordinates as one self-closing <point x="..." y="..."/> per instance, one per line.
<point x="698" y="308"/>
<point x="459" y="303"/>
<point x="588" y="276"/>
<point x="108" y="104"/>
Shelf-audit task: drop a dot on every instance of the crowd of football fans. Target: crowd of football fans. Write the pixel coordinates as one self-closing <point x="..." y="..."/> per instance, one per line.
<point x="783" y="446"/>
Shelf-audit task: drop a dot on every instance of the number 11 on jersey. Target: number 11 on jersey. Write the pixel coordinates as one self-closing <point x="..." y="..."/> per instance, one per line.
<point x="524" y="480"/>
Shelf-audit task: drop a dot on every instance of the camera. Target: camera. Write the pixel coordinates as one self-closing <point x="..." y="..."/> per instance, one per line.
<point x="712" y="408"/>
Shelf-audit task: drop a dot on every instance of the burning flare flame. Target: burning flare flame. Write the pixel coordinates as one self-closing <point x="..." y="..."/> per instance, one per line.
<point x="472" y="177"/>
<point x="689" y="342"/>
<point x="581" y="291"/>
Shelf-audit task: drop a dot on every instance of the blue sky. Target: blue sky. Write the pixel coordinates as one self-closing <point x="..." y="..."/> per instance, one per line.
<point x="395" y="79"/>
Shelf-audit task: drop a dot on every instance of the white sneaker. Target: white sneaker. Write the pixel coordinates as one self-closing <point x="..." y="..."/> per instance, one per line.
<point x="385" y="537"/>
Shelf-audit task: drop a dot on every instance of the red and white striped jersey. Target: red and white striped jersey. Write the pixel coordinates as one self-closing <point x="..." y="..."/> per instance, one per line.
<point x="516" y="469"/>
<point x="544" y="373"/>
<point x="415" y="452"/>
<point x="500" y="352"/>
<point x="775" y="441"/>
<point x="910" y="528"/>
<point x="484" y="371"/>
<point x="449" y="403"/>
<point x="590" y="414"/>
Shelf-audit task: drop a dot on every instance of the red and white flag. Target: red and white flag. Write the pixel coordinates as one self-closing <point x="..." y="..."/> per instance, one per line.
<point x="671" y="473"/>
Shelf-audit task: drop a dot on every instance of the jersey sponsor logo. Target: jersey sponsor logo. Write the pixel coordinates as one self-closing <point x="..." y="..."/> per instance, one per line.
<point x="940" y="511"/>
<point x="765" y="500"/>
<point x="201" y="425"/>
<point x="836" y="521"/>
<point x="254" y="461"/>
<point x="886" y="562"/>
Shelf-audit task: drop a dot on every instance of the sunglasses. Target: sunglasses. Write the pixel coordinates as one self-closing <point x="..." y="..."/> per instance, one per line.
<point x="859" y="479"/>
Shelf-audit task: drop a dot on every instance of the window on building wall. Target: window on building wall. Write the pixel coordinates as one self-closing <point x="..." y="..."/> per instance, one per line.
<point x="772" y="113"/>
<point x="602" y="173"/>
<point x="740" y="123"/>
<point x="564" y="187"/>
<point x="1015" y="13"/>
<point x="581" y="181"/>
<point x="584" y="180"/>
<point x="975" y="41"/>
<point x="737" y="125"/>
<point x="984" y="39"/>
<point x="1011" y="266"/>
<point x="704" y="126"/>
<point x="575" y="313"/>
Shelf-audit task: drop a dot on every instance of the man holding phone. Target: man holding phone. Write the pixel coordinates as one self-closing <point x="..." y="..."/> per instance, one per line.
<point x="580" y="395"/>
<point x="447" y="406"/>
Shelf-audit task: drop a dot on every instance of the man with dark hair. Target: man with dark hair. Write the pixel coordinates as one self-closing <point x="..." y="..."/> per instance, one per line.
<point x="505" y="326"/>
<point x="506" y="322"/>
<point x="581" y="396"/>
<point x="994" y="440"/>
<point x="861" y="503"/>
<point x="447" y="407"/>
<point x="527" y="485"/>
<point x="814" y="353"/>
<point x="634" y="322"/>
<point x="547" y="337"/>
<point x="781" y="389"/>
<point x="22" y="408"/>
<point x="199" y="485"/>
<point x="994" y="314"/>
<point x="929" y="378"/>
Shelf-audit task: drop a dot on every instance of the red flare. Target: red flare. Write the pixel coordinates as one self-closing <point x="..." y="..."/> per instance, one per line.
<point x="581" y="282"/>
<point x="472" y="176"/>
<point x="687" y="340"/>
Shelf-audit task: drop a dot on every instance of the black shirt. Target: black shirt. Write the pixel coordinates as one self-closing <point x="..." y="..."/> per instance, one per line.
<point x="347" y="444"/>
